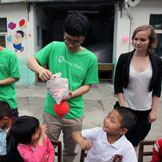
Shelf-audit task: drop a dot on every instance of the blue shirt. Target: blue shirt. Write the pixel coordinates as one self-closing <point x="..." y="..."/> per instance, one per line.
<point x="3" y="141"/>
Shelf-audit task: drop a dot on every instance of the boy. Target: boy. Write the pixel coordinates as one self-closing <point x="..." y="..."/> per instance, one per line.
<point x="8" y="144"/>
<point x="109" y="144"/>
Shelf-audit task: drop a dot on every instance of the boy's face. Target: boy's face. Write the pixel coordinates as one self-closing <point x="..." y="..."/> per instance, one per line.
<point x="111" y="123"/>
<point x="73" y="43"/>
<point x="4" y="122"/>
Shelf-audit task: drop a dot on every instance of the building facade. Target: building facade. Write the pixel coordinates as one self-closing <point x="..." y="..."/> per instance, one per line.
<point x="26" y="26"/>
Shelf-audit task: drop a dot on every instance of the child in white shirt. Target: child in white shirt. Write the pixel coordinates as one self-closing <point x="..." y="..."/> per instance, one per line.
<point x="109" y="144"/>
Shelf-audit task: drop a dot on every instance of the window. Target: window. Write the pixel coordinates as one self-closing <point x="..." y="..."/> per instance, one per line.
<point x="158" y="49"/>
<point x="156" y="22"/>
<point x="3" y="25"/>
<point x="2" y="41"/>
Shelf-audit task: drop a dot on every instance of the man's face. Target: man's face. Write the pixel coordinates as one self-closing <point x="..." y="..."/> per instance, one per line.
<point x="73" y="43"/>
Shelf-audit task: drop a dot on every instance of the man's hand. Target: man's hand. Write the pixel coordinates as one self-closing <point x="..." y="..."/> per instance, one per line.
<point x="45" y="74"/>
<point x="69" y="97"/>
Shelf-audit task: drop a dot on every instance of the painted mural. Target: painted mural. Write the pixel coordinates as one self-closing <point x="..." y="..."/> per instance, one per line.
<point x="16" y="35"/>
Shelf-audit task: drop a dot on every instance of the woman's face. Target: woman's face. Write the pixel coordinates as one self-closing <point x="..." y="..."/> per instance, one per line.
<point x="141" y="40"/>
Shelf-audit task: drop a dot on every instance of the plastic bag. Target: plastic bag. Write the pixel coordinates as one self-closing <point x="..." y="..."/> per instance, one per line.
<point x="58" y="87"/>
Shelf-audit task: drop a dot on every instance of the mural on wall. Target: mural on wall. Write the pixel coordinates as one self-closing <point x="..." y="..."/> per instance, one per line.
<point x="17" y="34"/>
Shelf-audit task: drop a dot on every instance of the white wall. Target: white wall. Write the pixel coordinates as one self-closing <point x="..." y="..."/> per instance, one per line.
<point x="123" y="27"/>
<point x="14" y="13"/>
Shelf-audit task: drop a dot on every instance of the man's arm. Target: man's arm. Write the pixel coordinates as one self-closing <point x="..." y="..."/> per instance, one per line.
<point x="8" y="81"/>
<point x="84" y="143"/>
<point x="80" y="91"/>
<point x="44" y="74"/>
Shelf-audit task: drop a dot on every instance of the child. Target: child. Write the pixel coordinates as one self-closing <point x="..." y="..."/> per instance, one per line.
<point x="109" y="144"/>
<point x="157" y="151"/>
<point x="34" y="144"/>
<point x="8" y="144"/>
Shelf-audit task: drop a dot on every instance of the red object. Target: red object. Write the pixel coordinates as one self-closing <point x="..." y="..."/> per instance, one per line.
<point x="22" y="22"/>
<point x="61" y="109"/>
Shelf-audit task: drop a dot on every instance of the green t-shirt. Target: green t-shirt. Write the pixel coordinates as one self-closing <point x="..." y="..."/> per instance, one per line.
<point x="79" y="68"/>
<point x="9" y="67"/>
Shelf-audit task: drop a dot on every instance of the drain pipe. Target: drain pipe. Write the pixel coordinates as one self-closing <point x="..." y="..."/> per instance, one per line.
<point x="131" y="21"/>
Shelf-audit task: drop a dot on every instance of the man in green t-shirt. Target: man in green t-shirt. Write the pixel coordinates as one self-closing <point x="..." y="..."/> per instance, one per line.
<point x="9" y="74"/>
<point x="79" y="66"/>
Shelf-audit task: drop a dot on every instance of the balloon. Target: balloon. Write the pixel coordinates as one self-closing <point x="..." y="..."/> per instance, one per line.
<point x="13" y="26"/>
<point x="21" y="22"/>
<point x="125" y="38"/>
<point x="61" y="109"/>
<point x="8" y="38"/>
<point x="10" y="24"/>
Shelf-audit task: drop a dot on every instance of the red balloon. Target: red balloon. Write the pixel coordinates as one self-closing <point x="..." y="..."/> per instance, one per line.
<point x="61" y="109"/>
<point x="22" y="22"/>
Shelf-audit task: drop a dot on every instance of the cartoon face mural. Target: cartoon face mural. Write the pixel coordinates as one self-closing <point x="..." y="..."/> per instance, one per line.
<point x="17" y="39"/>
<point x="17" y="36"/>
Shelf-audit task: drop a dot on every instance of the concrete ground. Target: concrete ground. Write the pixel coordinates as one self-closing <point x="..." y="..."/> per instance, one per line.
<point x="99" y="102"/>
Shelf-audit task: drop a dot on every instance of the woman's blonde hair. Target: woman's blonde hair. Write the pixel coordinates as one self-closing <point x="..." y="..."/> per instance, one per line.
<point x="152" y="36"/>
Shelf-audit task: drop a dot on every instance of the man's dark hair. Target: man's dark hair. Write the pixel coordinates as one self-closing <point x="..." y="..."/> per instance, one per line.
<point x="5" y="110"/>
<point x="24" y="127"/>
<point x="128" y="117"/>
<point x="76" y="24"/>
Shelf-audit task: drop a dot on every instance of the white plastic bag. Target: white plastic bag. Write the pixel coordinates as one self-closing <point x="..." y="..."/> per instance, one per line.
<point x="58" y="87"/>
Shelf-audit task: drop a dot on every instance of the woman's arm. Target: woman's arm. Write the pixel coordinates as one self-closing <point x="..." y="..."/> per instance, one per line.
<point x="153" y="113"/>
<point x="121" y="99"/>
<point x="118" y="82"/>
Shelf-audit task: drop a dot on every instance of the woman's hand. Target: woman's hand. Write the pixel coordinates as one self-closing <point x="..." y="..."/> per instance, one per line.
<point x="152" y="117"/>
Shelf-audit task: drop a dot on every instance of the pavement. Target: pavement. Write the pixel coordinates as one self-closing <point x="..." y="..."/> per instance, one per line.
<point x="98" y="101"/>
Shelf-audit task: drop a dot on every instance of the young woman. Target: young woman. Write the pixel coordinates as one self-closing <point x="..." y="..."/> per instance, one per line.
<point x="138" y="81"/>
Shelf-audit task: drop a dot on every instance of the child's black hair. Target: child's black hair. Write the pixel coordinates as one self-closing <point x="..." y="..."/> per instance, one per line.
<point x="128" y="117"/>
<point x="5" y="110"/>
<point x="76" y="24"/>
<point x="24" y="127"/>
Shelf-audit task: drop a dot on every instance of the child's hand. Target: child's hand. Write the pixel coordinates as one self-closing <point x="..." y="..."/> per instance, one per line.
<point x="85" y="144"/>
<point x="43" y="129"/>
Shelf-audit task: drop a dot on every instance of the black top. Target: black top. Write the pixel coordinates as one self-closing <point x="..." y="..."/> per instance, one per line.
<point x="12" y="152"/>
<point x="122" y="73"/>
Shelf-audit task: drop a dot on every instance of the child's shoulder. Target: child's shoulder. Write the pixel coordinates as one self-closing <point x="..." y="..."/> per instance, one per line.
<point x="124" y="142"/>
<point x="159" y="141"/>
